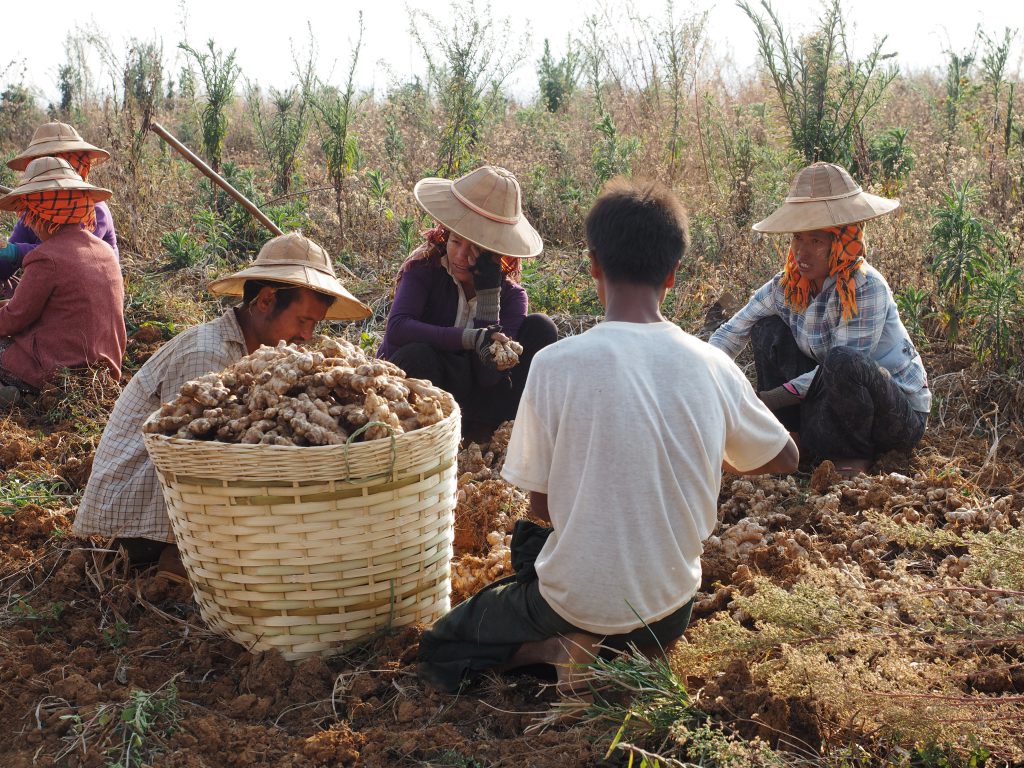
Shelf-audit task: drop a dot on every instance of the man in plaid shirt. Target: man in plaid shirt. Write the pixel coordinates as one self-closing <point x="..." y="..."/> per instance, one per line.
<point x="289" y="289"/>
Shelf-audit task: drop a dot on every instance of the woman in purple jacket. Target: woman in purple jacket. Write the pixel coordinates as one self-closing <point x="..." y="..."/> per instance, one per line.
<point x="460" y="289"/>
<point x="53" y="140"/>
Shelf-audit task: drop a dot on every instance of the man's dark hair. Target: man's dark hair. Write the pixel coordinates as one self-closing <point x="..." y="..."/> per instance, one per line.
<point x="637" y="231"/>
<point x="284" y="294"/>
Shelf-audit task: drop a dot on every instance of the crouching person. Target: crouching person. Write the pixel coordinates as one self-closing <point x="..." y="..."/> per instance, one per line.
<point x="620" y="438"/>
<point x="288" y="290"/>
<point x="68" y="309"/>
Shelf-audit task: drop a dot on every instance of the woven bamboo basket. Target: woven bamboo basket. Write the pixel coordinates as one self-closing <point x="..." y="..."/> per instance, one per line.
<point x="308" y="549"/>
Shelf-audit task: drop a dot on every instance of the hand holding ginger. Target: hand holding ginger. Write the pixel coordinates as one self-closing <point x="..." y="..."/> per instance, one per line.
<point x="505" y="352"/>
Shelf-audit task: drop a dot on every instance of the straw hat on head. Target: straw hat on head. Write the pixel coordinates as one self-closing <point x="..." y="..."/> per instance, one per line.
<point x="50" y="174"/>
<point x="824" y="195"/>
<point x="485" y="207"/>
<point x="297" y="260"/>
<point x="54" y="139"/>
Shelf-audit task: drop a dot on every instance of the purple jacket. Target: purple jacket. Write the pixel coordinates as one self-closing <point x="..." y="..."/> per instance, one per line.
<point x="426" y="303"/>
<point x="25" y="239"/>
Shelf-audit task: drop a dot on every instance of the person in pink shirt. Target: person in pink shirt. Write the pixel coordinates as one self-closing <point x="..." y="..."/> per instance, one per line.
<point x="68" y="309"/>
<point x="63" y="141"/>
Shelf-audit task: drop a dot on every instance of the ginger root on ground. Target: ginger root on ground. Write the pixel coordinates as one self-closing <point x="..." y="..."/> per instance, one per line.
<point x="291" y="395"/>
<point x="471" y="572"/>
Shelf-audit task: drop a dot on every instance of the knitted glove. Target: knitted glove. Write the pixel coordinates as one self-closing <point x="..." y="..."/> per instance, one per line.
<point x="777" y="398"/>
<point x="9" y="252"/>
<point x="488" y="305"/>
<point x="487" y="272"/>
<point x="479" y="340"/>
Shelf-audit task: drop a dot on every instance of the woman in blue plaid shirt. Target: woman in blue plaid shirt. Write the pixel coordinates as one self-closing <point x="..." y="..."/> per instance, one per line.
<point x="834" y="361"/>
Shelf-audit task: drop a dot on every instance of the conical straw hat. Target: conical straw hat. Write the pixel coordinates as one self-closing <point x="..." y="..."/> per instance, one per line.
<point x="485" y="207"/>
<point x="53" y="139"/>
<point x="50" y="173"/>
<point x="297" y="260"/>
<point x="824" y="195"/>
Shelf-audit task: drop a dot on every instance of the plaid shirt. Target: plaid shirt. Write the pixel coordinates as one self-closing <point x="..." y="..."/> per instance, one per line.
<point x="876" y="330"/>
<point x="123" y="498"/>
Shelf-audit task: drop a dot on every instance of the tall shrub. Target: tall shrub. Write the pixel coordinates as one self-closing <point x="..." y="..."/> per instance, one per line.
<point x="613" y="154"/>
<point x="995" y="308"/>
<point x="282" y="133"/>
<point x="959" y="89"/>
<point x="333" y="108"/>
<point x="557" y="80"/>
<point x="893" y="157"/>
<point x="469" y="56"/>
<point x="219" y="73"/>
<point x="826" y="95"/>
<point x="142" y="81"/>
<point x="678" y="43"/>
<point x="957" y="248"/>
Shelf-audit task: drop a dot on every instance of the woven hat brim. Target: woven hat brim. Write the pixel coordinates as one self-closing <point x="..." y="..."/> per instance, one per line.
<point x="345" y="307"/>
<point x="807" y="215"/>
<point x="50" y="148"/>
<point x="8" y="201"/>
<point x="519" y="240"/>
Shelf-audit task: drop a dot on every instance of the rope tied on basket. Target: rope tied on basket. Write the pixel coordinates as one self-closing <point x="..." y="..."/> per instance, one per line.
<point x="361" y="430"/>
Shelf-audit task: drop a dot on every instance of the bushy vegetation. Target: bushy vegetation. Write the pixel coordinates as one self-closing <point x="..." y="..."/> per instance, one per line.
<point x="639" y="96"/>
<point x="625" y="95"/>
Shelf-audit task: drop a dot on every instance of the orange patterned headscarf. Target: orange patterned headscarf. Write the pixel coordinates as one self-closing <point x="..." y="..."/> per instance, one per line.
<point x="846" y="257"/>
<point x="80" y="161"/>
<point x="51" y="209"/>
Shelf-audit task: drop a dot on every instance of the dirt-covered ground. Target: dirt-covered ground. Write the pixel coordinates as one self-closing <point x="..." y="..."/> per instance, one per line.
<point x="837" y="618"/>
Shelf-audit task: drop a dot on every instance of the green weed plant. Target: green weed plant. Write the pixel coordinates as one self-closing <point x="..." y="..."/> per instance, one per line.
<point x="219" y="72"/>
<point x="826" y="94"/>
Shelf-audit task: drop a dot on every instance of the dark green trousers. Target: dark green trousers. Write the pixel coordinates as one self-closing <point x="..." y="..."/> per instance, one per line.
<point x="485" y="631"/>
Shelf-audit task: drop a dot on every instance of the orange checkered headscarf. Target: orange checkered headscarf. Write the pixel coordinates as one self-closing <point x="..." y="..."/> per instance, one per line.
<point x="846" y="257"/>
<point x="53" y="208"/>
<point x="80" y="161"/>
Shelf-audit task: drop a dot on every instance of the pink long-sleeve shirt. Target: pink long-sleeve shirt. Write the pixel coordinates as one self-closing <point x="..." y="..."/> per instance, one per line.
<point x="68" y="309"/>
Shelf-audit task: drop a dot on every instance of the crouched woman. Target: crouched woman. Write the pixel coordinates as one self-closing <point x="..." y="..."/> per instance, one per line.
<point x="68" y="310"/>
<point x="460" y="291"/>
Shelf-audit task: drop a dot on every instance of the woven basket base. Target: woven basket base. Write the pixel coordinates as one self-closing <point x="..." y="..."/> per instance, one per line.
<point x="310" y="550"/>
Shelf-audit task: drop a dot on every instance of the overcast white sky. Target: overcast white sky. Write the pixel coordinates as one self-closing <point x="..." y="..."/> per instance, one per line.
<point x="262" y="31"/>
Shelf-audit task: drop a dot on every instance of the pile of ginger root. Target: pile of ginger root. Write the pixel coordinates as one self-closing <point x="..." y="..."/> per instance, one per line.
<point x="291" y="395"/>
<point x="486" y="510"/>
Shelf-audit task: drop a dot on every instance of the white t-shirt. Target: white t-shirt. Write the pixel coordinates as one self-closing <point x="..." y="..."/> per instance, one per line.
<point x="625" y="428"/>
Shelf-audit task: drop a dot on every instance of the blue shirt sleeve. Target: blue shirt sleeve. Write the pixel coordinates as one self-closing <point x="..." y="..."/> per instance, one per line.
<point x="732" y="336"/>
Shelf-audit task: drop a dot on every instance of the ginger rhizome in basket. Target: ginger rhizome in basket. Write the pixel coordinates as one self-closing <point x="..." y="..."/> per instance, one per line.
<point x="291" y="395"/>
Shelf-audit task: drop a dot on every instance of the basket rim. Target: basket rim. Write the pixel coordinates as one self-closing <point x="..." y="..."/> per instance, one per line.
<point x="343" y="447"/>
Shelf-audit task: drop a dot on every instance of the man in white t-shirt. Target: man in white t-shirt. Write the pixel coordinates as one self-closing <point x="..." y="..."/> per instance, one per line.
<point x="620" y="438"/>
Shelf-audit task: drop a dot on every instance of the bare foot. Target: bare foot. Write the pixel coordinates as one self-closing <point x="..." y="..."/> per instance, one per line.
<point x="568" y="654"/>
<point x="170" y="567"/>
<point x="577" y="650"/>
<point x="795" y="437"/>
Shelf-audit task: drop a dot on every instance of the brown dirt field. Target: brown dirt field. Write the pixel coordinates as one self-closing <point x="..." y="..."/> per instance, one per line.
<point x="81" y="636"/>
